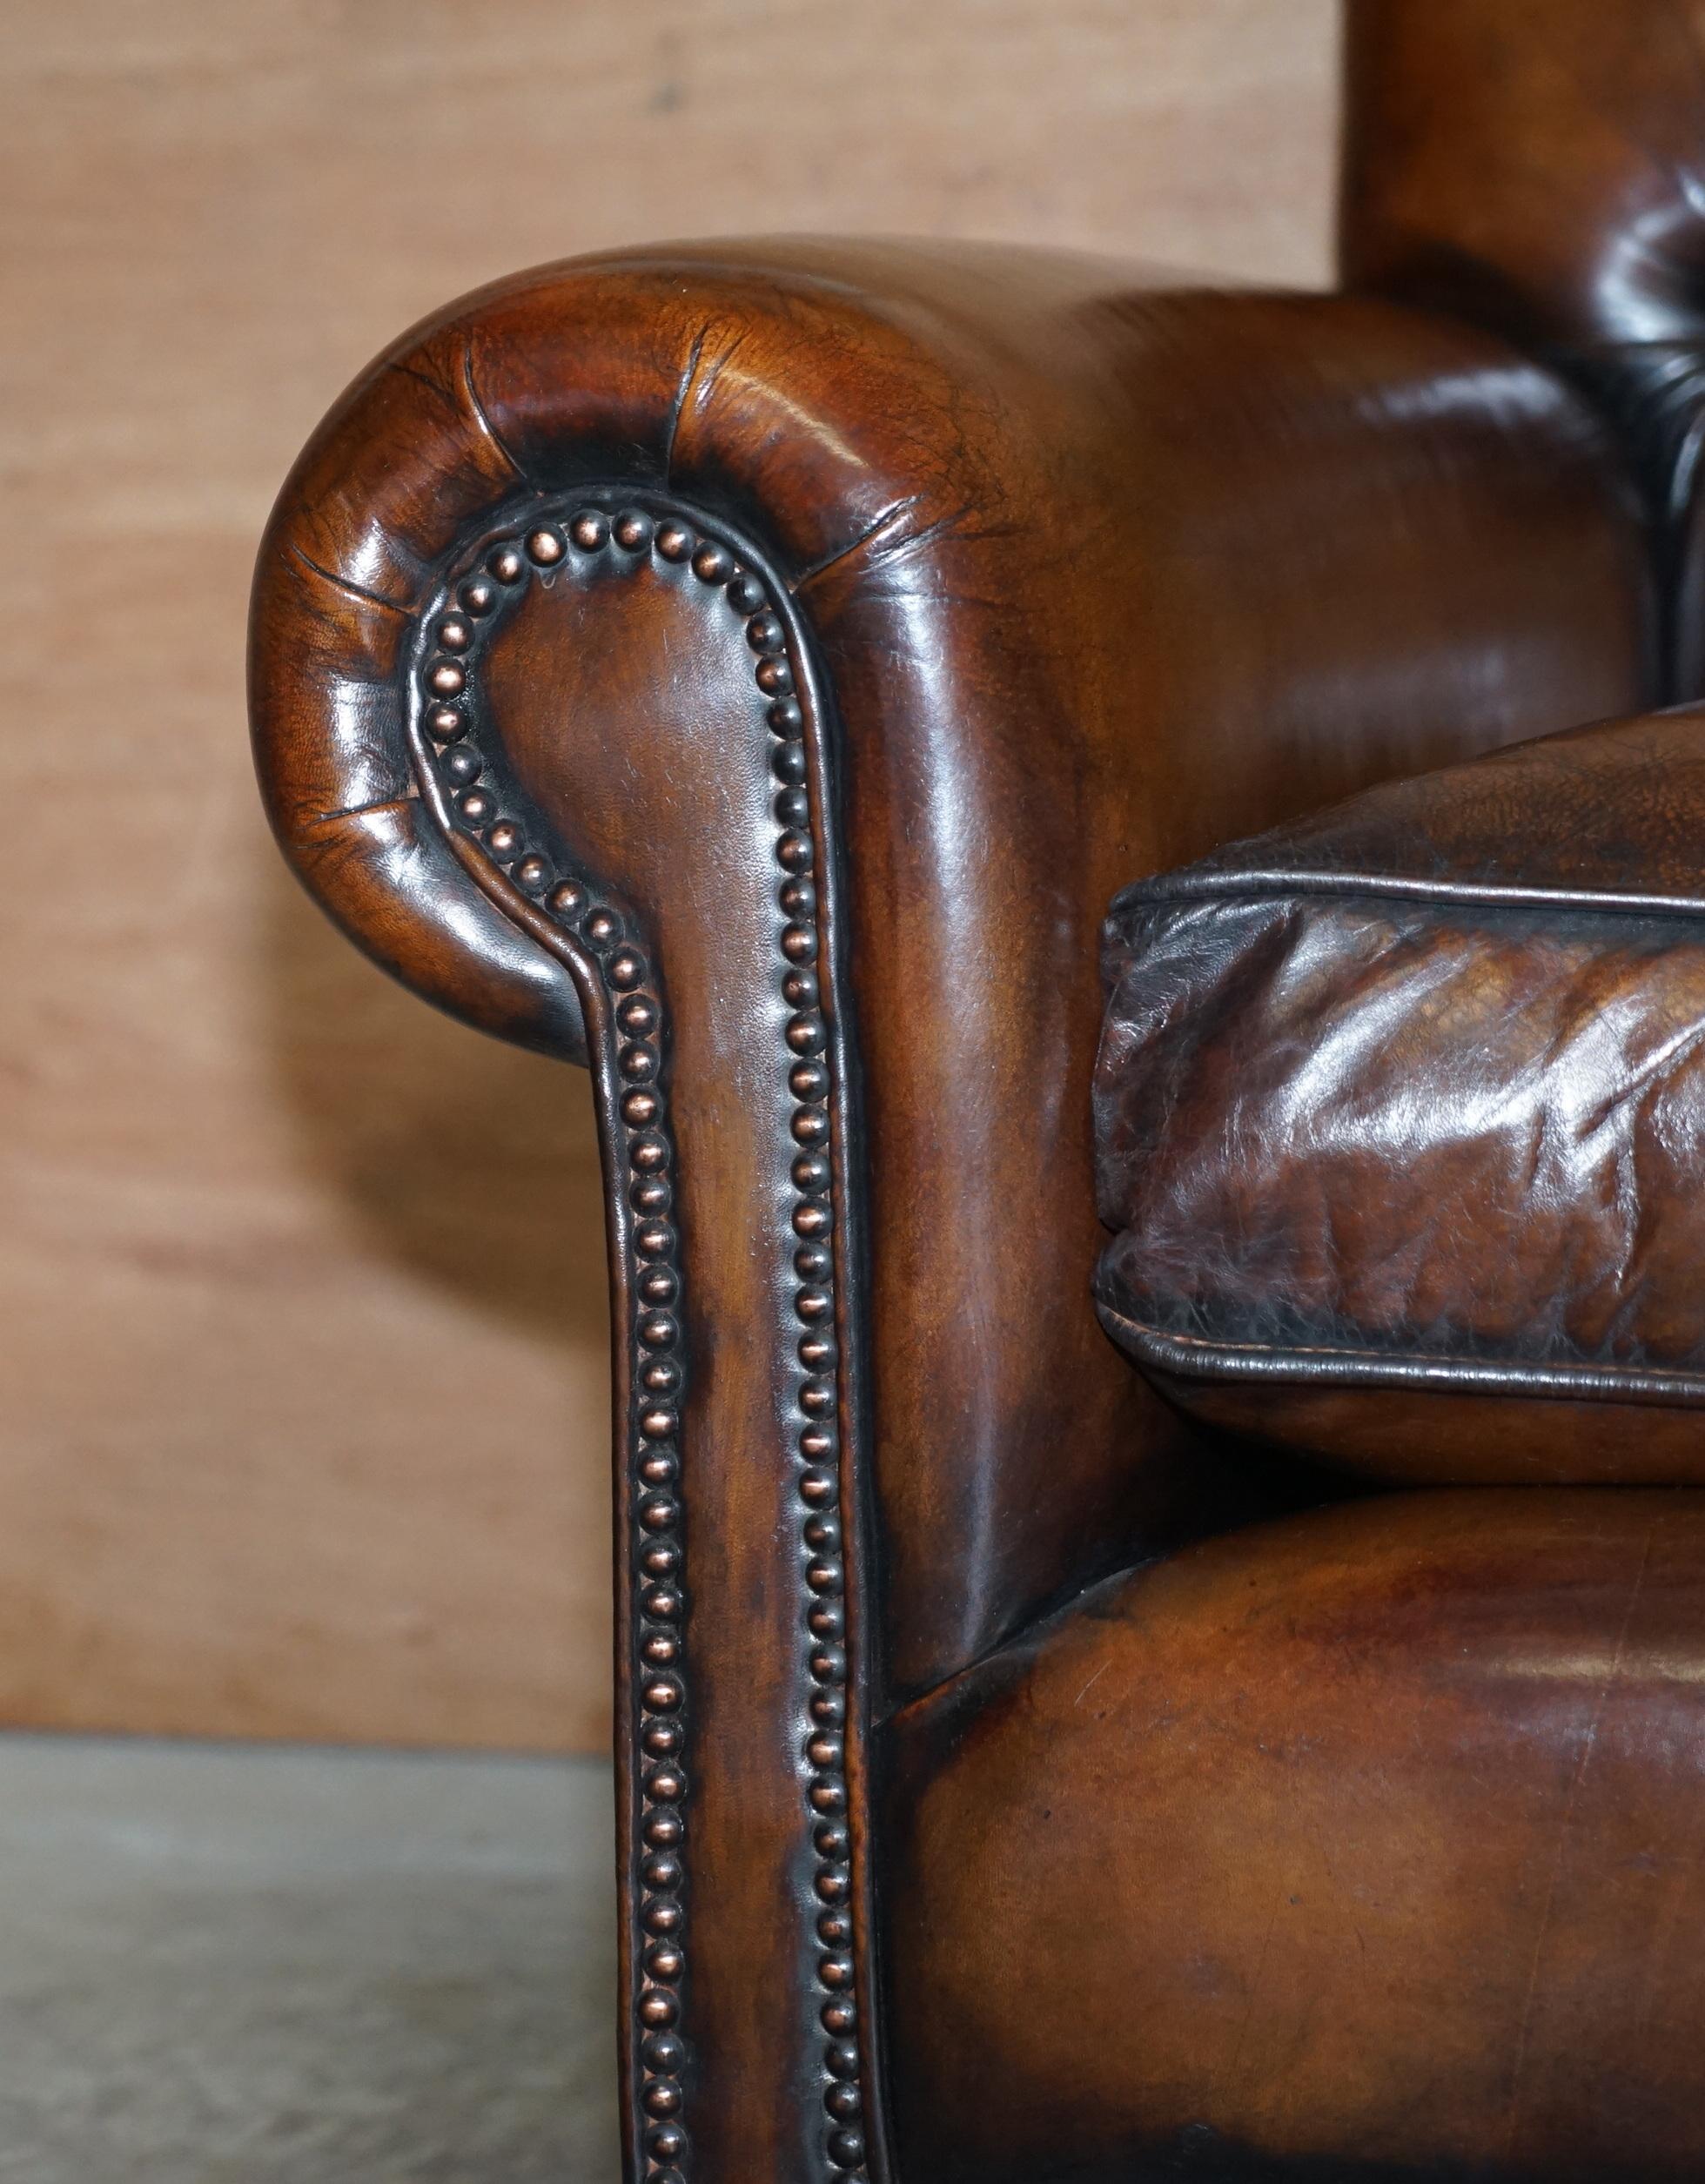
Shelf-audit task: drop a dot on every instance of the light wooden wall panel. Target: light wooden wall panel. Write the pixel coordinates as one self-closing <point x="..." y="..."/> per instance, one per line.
<point x="301" y="1293"/>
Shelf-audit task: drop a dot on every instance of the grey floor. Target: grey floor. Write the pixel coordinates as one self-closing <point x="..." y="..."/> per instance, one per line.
<point x="299" y="1968"/>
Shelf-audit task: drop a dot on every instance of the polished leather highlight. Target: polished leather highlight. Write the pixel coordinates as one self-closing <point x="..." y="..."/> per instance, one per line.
<point x="1363" y="1847"/>
<point x="1339" y="540"/>
<point x="1412" y="1096"/>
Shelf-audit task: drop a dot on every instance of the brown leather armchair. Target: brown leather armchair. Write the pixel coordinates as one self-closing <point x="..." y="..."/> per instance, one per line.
<point x="750" y="670"/>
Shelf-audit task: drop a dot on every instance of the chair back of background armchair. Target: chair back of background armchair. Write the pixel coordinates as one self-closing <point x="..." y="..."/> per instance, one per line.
<point x="1538" y="166"/>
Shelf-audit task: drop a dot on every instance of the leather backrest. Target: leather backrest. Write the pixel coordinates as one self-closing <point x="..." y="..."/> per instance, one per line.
<point x="1539" y="166"/>
<point x="1538" y="161"/>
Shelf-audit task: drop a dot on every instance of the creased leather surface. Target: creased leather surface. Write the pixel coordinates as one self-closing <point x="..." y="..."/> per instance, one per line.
<point x="1409" y="1100"/>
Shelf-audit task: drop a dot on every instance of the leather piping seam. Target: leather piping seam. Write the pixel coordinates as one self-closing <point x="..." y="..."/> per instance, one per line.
<point x="626" y="1011"/>
<point x="1196" y="1358"/>
<point x="1262" y="886"/>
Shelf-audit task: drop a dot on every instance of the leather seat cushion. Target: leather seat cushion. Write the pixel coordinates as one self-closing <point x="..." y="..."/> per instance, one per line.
<point x="1361" y="1846"/>
<point x="1401" y="1119"/>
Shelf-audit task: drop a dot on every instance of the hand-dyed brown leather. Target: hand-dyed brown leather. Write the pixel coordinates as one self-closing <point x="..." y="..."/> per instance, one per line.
<point x="1539" y="166"/>
<point x="1100" y="574"/>
<point x="1539" y="161"/>
<point x="1361" y="1849"/>
<point x="1408" y="1101"/>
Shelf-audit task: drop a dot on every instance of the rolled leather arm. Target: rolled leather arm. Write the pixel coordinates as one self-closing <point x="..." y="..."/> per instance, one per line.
<point x="1099" y="573"/>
